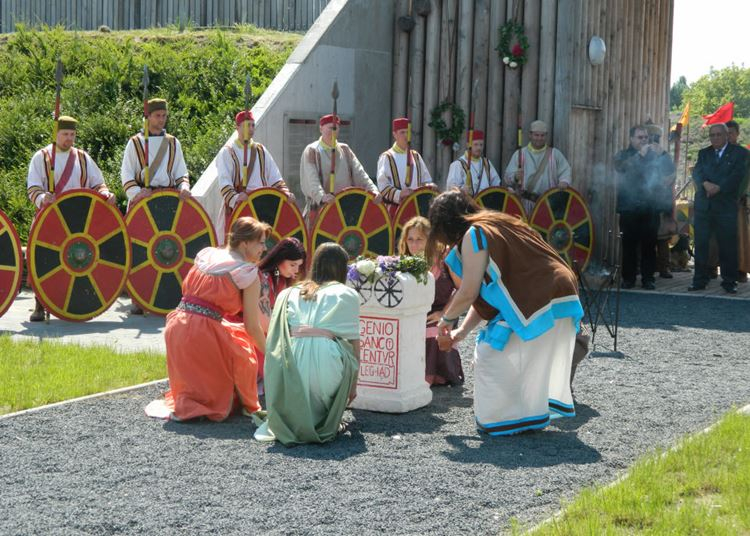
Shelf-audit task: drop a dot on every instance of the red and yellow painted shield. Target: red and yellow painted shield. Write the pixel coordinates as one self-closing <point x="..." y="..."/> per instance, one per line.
<point x="354" y="221"/>
<point x="166" y="234"/>
<point x="11" y="263"/>
<point x="78" y="255"/>
<point x="502" y="200"/>
<point x="416" y="204"/>
<point x="563" y="219"/>
<point x="272" y="206"/>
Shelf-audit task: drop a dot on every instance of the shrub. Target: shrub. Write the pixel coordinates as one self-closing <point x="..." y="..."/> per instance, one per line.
<point x="102" y="89"/>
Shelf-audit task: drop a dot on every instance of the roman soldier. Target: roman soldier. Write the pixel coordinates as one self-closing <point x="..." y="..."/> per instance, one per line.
<point x="60" y="167"/>
<point x="166" y="163"/>
<point x="401" y="169"/>
<point x="476" y="175"/>
<point x="319" y="179"/>
<point x="245" y="165"/>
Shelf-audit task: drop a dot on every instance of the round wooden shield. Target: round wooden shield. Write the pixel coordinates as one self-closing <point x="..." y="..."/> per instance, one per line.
<point x="416" y="204"/>
<point x="273" y="207"/>
<point x="78" y="255"/>
<point x="502" y="200"/>
<point x="354" y="221"/>
<point x="563" y="219"/>
<point x="166" y="234"/>
<point x="11" y="263"/>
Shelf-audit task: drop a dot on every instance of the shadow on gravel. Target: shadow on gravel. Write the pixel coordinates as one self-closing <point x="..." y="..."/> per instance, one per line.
<point x="533" y="449"/>
<point x="233" y="428"/>
<point x="670" y="312"/>
<point x="61" y="328"/>
<point x="346" y="445"/>
<point x="584" y="414"/>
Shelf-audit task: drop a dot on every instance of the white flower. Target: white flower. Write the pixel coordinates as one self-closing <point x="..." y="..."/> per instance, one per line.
<point x="513" y="65"/>
<point x="365" y="267"/>
<point x="506" y="60"/>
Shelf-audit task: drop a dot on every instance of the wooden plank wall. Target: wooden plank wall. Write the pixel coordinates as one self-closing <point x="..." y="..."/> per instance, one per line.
<point x="286" y="15"/>
<point x="588" y="108"/>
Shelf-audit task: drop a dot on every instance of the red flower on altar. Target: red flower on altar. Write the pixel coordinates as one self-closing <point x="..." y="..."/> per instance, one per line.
<point x="517" y="50"/>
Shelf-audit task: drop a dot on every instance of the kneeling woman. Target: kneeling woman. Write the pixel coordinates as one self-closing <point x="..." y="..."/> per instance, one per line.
<point x="212" y="363"/>
<point x="312" y="354"/>
<point x="515" y="281"/>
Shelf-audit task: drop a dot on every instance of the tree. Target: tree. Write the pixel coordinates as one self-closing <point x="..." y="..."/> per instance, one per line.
<point x="676" y="93"/>
<point x="719" y="87"/>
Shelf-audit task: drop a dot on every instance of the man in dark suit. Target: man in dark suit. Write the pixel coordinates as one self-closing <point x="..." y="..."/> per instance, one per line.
<point x="717" y="175"/>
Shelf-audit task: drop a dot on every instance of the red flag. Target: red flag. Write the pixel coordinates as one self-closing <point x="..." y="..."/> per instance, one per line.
<point x="724" y="113"/>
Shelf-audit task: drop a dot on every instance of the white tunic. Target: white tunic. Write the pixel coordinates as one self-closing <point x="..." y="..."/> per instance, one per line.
<point x="480" y="179"/>
<point x="390" y="188"/>
<point x="36" y="180"/>
<point x="225" y="167"/>
<point x="161" y="178"/>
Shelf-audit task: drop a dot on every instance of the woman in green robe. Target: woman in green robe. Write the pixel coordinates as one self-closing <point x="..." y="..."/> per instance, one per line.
<point x="312" y="354"/>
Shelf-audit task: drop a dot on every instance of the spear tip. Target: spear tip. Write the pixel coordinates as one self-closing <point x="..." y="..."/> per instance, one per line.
<point x="335" y="90"/>
<point x="59" y="71"/>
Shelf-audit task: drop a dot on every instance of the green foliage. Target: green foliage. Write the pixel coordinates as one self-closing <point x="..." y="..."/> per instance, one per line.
<point x="675" y="93"/>
<point x="719" y="87"/>
<point x="200" y="73"/>
<point x="38" y="373"/>
<point x="701" y="487"/>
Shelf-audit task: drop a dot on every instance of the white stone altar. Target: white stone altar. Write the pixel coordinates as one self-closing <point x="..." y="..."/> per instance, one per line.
<point x="392" y="322"/>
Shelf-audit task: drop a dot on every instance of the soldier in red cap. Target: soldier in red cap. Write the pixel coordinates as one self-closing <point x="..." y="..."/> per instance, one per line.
<point x="240" y="171"/>
<point x="475" y="176"/>
<point x="316" y="180"/>
<point x="395" y="180"/>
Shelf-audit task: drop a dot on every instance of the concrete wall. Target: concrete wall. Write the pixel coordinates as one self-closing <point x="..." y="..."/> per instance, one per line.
<point x="351" y="42"/>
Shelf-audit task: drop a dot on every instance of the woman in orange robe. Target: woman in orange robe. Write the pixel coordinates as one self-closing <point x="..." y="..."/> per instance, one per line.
<point x="212" y="363"/>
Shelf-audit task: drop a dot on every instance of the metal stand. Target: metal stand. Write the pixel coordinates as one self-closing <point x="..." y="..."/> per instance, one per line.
<point x="597" y="305"/>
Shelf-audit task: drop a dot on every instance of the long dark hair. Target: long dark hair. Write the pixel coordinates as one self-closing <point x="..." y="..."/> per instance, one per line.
<point x="448" y="221"/>
<point x="329" y="264"/>
<point x="288" y="249"/>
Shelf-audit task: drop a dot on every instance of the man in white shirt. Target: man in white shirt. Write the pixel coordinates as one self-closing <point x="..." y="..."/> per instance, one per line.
<point x="315" y="169"/>
<point x="244" y="167"/>
<point x="74" y="169"/>
<point x="536" y="168"/>
<point x="395" y="181"/>
<point x="166" y="163"/>
<point x="475" y="176"/>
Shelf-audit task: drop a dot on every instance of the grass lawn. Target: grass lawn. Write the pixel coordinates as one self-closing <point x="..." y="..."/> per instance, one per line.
<point x="701" y="487"/>
<point x="33" y="374"/>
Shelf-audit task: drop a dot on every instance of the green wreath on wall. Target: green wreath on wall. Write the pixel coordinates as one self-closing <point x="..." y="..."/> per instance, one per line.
<point x="513" y="44"/>
<point x="448" y="134"/>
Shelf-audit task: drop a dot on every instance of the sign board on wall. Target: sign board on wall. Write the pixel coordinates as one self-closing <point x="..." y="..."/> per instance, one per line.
<point x="378" y="354"/>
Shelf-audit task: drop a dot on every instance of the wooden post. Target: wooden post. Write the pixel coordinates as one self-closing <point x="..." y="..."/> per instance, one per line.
<point x="511" y="102"/>
<point x="432" y="66"/>
<point x="416" y="79"/>
<point x="481" y="56"/>
<point x="464" y="80"/>
<point x="530" y="72"/>
<point x="495" y="77"/>
<point x="446" y="88"/>
<point x="547" y="45"/>
<point x="400" y="70"/>
<point x="563" y="68"/>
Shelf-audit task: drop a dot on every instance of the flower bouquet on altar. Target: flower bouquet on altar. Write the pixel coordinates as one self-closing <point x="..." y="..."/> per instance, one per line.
<point x="384" y="277"/>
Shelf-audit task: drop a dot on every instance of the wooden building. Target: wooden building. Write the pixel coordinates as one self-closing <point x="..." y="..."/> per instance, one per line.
<point x="589" y="108"/>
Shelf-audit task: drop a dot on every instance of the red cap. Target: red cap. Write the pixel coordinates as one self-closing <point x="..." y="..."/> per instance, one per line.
<point x="478" y="135"/>
<point x="243" y="116"/>
<point x="330" y="118"/>
<point x="400" y="123"/>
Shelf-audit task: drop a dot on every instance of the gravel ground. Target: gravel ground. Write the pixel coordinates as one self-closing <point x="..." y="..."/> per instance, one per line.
<point x="101" y="467"/>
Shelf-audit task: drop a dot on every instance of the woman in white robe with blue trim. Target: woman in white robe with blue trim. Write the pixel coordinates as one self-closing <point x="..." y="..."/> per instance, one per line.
<point x="528" y="296"/>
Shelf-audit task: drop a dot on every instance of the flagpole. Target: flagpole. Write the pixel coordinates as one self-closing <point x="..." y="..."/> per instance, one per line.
<point x="687" y="148"/>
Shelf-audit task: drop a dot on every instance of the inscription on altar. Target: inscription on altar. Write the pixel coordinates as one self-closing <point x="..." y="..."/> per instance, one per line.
<point x="378" y="354"/>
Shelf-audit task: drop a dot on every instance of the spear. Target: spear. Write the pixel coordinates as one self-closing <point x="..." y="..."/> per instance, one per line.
<point x="55" y="124"/>
<point x="146" y="180"/>
<point x="408" y="151"/>
<point x="469" y="182"/>
<point x="246" y="132"/>
<point x="335" y="96"/>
